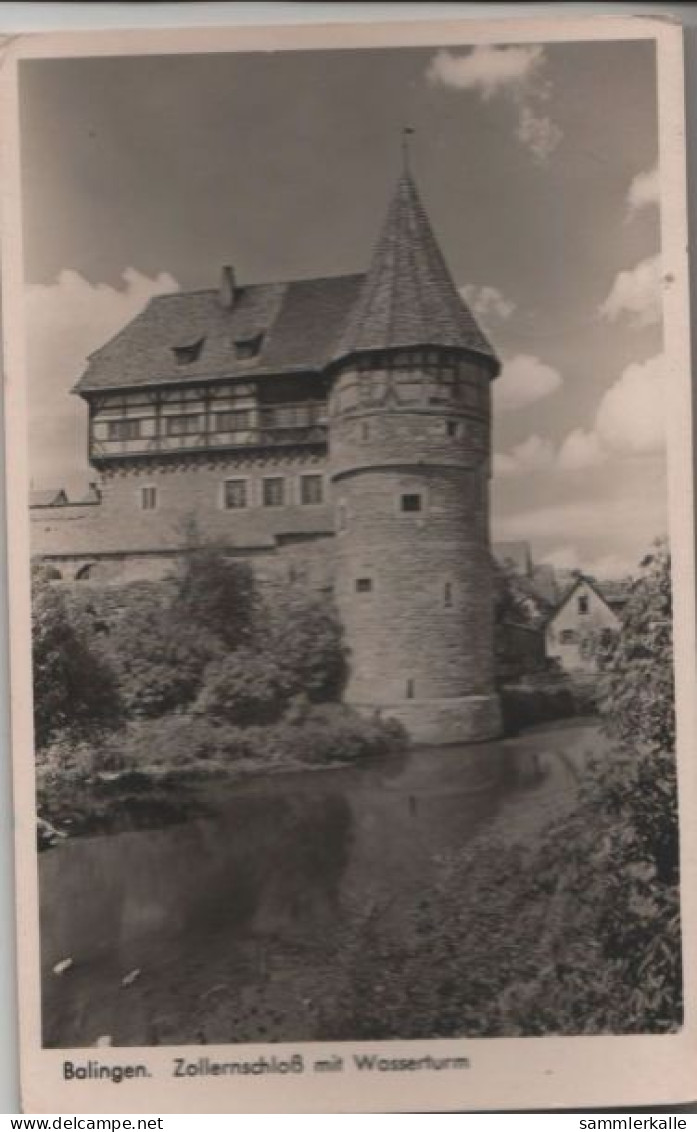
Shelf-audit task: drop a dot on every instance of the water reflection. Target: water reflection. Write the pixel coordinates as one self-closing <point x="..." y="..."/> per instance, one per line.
<point x="230" y="916"/>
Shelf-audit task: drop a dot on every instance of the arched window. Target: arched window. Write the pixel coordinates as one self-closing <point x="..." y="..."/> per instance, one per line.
<point x="84" y="572"/>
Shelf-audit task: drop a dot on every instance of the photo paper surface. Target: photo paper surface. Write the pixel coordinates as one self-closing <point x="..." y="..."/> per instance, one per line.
<point x="349" y="478"/>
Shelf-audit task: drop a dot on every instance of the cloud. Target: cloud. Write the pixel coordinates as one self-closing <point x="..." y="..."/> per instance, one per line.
<point x="580" y="450"/>
<point x="631" y="415"/>
<point x="487" y="70"/>
<point x="540" y="134"/>
<point x="487" y="302"/>
<point x="629" y="421"/>
<point x="605" y="566"/>
<point x="513" y="73"/>
<point x="66" y="320"/>
<point x="622" y="522"/>
<point x="524" y="379"/>
<point x="636" y="294"/>
<point x="644" y="191"/>
<point x="533" y="455"/>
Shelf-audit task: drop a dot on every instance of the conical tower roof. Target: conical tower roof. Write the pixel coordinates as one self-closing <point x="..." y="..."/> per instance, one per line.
<point x="408" y="297"/>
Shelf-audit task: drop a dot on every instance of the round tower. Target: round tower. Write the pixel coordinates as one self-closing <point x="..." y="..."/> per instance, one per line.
<point x="409" y="444"/>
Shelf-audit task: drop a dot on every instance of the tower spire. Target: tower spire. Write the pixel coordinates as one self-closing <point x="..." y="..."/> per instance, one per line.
<point x="407" y="131"/>
<point x="408" y="298"/>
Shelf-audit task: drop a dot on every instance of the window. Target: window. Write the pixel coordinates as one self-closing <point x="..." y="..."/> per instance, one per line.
<point x="410" y="689"/>
<point x="365" y="431"/>
<point x="567" y="637"/>
<point x="451" y="428"/>
<point x="248" y="347"/>
<point x="311" y="489"/>
<point x="364" y="585"/>
<point x="448" y="595"/>
<point x="188" y="353"/>
<point x="235" y="494"/>
<point x="583" y="603"/>
<point x="148" y="498"/>
<point x="342" y="517"/>
<point x="233" y="421"/>
<point x="410" y="503"/>
<point x="185" y="425"/>
<point x="123" y="430"/>
<point x="274" y="491"/>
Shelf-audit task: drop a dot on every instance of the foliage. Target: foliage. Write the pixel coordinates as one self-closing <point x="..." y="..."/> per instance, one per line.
<point x="245" y="687"/>
<point x="75" y="689"/>
<point x="218" y="595"/>
<point x="304" y="632"/>
<point x="159" y="660"/>
<point x="637" y="686"/>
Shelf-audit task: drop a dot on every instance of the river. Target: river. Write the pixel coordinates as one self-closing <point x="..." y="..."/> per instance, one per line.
<point x="230" y="926"/>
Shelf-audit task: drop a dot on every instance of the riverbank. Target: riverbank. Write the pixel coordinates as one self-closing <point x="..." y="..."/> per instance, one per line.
<point x="154" y="773"/>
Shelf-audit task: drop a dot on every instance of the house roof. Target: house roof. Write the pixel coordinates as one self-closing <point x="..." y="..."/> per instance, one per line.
<point x="608" y="592"/>
<point x="408" y="297"/>
<point x="48" y="497"/>
<point x="299" y="323"/>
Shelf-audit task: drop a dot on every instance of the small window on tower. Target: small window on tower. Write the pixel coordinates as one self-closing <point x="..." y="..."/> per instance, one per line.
<point x="583" y="604"/>
<point x="412" y="503"/>
<point x="364" y="585"/>
<point x="448" y="595"/>
<point x="452" y="428"/>
<point x="365" y="431"/>
<point x="148" y="498"/>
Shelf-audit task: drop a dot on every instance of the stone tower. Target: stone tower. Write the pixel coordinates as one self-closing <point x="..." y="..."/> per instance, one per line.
<point x="409" y="449"/>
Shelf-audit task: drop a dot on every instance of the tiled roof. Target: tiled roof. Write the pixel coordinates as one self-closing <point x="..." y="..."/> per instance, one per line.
<point x="408" y="297"/>
<point x="299" y="321"/>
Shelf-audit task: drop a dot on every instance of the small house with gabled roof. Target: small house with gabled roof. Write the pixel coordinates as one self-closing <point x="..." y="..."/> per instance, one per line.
<point x="585" y="612"/>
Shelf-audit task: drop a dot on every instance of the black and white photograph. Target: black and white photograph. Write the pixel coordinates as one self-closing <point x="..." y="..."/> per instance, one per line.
<point x="350" y="529"/>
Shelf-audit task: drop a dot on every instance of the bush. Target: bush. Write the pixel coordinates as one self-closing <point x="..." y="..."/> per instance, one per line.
<point x="218" y="595"/>
<point x="303" y="631"/>
<point x="159" y="661"/>
<point x="244" y="688"/>
<point x="75" y="688"/>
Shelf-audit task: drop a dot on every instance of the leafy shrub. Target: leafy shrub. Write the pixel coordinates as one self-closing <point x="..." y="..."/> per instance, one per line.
<point x="218" y="595"/>
<point x="244" y="688"/>
<point x="159" y="660"/>
<point x="75" y="689"/>
<point x="335" y="733"/>
<point x="303" y="631"/>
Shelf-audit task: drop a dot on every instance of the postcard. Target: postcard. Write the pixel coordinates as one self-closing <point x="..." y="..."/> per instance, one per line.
<point x="351" y="550"/>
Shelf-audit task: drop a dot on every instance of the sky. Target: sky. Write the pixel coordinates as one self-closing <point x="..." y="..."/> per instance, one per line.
<point x="536" y="164"/>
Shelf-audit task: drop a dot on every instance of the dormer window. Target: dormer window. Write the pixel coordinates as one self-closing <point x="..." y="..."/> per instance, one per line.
<point x="248" y="347"/>
<point x="188" y="352"/>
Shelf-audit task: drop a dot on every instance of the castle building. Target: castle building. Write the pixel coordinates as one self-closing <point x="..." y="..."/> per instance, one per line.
<point x="335" y="430"/>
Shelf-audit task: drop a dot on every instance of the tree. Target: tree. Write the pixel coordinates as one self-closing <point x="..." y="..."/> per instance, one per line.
<point x="75" y="688"/>
<point x="303" y="631"/>
<point x="158" y="656"/>
<point x="217" y="594"/>
<point x="637" y="689"/>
